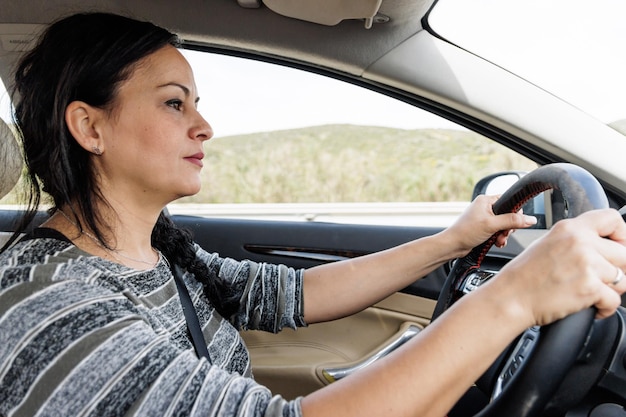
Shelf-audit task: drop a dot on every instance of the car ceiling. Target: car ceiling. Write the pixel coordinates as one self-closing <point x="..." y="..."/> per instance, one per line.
<point x="228" y="24"/>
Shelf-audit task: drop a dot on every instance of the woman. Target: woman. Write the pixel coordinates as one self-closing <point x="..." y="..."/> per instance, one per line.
<point x="90" y="319"/>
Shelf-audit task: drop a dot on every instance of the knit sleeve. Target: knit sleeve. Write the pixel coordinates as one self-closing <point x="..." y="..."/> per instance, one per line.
<point x="270" y="295"/>
<point x="69" y="347"/>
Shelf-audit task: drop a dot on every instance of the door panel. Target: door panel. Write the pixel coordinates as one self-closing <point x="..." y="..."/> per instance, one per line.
<point x="292" y="363"/>
<point x="305" y="244"/>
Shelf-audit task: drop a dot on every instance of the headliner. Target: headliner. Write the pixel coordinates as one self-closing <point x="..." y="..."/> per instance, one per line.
<point x="226" y="25"/>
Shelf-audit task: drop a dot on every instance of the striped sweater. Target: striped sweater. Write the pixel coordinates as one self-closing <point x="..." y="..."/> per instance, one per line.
<point x="82" y="336"/>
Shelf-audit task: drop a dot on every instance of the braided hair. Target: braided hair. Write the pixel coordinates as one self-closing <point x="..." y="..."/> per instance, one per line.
<point x="177" y="245"/>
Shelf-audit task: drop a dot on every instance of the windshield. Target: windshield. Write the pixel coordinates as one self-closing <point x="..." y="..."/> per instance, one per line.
<point x="574" y="49"/>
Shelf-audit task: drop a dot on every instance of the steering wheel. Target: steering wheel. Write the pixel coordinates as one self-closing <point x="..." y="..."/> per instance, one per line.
<point x="541" y="357"/>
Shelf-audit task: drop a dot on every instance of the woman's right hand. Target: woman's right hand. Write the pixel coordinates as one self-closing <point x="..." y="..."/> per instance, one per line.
<point x="571" y="268"/>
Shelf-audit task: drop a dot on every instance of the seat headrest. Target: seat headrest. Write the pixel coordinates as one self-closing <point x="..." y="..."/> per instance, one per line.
<point x="10" y="159"/>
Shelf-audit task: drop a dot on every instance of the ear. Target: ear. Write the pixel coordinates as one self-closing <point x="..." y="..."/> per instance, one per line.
<point x="81" y="120"/>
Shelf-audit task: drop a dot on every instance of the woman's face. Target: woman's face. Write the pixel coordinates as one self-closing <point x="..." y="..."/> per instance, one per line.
<point x="153" y="138"/>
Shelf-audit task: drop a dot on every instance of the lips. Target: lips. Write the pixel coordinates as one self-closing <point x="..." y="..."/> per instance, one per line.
<point x="196" y="159"/>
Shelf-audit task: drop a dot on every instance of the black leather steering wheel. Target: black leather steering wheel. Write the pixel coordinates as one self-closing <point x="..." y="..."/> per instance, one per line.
<point x="542" y="356"/>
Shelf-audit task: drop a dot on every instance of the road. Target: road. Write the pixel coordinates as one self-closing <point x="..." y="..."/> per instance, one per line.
<point x="400" y="214"/>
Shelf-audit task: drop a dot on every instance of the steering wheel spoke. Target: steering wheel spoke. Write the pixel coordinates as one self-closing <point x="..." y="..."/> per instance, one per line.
<point x="515" y="361"/>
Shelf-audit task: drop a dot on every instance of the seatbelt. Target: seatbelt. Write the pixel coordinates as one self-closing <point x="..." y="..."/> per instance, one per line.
<point x="191" y="317"/>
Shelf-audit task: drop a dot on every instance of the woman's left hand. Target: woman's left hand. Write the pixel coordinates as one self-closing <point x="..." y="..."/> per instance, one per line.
<point x="478" y="223"/>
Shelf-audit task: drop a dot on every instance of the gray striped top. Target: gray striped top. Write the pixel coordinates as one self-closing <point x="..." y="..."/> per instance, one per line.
<point x="80" y="335"/>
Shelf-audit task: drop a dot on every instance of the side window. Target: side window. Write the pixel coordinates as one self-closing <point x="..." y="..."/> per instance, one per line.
<point x="294" y="145"/>
<point x="291" y="144"/>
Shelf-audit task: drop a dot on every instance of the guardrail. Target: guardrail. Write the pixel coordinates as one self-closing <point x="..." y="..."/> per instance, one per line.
<point x="400" y="214"/>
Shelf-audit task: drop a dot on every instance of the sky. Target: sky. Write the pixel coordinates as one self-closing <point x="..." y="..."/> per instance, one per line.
<point x="256" y="101"/>
<point x="578" y="47"/>
<point x="548" y="42"/>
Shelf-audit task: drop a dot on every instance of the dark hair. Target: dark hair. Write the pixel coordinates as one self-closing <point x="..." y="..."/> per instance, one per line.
<point x="86" y="57"/>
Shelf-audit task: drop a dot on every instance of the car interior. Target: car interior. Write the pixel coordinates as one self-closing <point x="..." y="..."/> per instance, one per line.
<point x="388" y="46"/>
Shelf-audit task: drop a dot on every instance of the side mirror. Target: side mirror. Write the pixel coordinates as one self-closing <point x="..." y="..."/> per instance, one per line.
<point x="498" y="183"/>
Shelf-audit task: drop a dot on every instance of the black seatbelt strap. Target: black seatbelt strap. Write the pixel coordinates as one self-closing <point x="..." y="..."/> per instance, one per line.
<point x="191" y="317"/>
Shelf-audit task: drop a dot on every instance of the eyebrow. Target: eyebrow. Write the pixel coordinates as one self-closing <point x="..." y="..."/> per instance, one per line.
<point x="186" y="90"/>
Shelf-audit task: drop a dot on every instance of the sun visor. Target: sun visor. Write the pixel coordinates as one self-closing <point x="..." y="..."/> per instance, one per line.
<point x="326" y="12"/>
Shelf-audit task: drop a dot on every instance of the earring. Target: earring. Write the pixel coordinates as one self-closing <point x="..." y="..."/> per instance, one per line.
<point x="96" y="150"/>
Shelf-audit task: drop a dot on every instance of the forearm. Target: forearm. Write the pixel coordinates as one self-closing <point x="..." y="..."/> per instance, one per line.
<point x="430" y="373"/>
<point x="339" y="289"/>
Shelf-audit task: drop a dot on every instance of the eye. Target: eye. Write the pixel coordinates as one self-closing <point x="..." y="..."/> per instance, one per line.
<point x="174" y="103"/>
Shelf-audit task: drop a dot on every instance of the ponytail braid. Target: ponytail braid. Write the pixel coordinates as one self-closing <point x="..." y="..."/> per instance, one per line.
<point x="178" y="247"/>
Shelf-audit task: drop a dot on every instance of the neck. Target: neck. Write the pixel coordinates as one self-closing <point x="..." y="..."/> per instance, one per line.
<point x="126" y="236"/>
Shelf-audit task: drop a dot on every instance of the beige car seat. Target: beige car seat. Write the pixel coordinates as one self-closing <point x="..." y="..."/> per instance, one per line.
<point x="10" y="167"/>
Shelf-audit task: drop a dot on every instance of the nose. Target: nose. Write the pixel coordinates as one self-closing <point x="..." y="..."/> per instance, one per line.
<point x="202" y="130"/>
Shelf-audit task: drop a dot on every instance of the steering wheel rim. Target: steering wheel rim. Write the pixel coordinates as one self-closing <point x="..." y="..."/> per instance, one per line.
<point x="528" y="389"/>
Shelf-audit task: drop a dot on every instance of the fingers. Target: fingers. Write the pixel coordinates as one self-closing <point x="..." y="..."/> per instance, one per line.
<point x="606" y="223"/>
<point x="478" y="223"/>
<point x="608" y="301"/>
<point x="608" y="291"/>
<point x="578" y="264"/>
<point x="512" y="221"/>
<point x="617" y="278"/>
<point x="605" y="236"/>
<point x="508" y="220"/>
